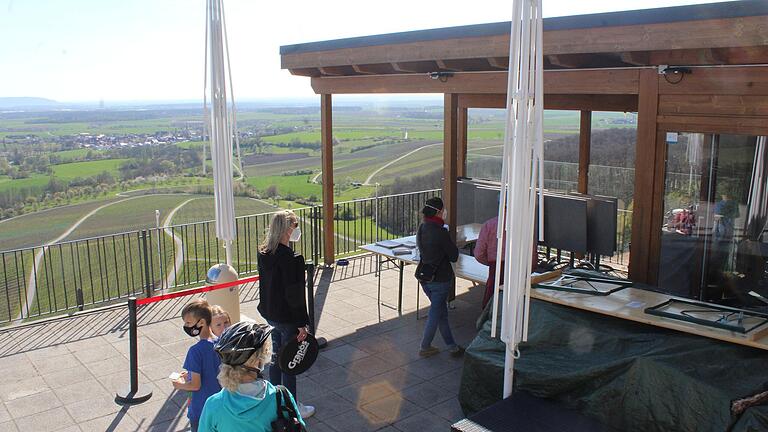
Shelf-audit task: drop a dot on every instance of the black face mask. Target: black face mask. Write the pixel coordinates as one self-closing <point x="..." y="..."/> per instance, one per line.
<point x="193" y="331"/>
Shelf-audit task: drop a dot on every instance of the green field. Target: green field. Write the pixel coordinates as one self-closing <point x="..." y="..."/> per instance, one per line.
<point x="202" y="209"/>
<point x="71" y="171"/>
<point x="294" y="185"/>
<point x="40" y="227"/>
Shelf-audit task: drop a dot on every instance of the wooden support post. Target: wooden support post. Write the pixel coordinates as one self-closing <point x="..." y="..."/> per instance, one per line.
<point x="326" y="131"/>
<point x="450" y="158"/>
<point x="462" y="133"/>
<point x="645" y="173"/>
<point x="585" y="137"/>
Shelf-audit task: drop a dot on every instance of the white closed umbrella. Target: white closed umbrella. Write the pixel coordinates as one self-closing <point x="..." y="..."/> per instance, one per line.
<point x="221" y="123"/>
<point x="222" y="129"/>
<point x="521" y="174"/>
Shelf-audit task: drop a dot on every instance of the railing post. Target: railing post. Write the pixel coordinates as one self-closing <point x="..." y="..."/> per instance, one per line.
<point x="133" y="395"/>
<point x="147" y="276"/>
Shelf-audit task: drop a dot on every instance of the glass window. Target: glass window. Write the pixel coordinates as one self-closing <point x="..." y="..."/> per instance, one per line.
<point x="713" y="246"/>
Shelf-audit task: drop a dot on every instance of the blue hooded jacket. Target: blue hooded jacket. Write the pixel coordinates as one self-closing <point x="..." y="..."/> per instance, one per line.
<point x="228" y="411"/>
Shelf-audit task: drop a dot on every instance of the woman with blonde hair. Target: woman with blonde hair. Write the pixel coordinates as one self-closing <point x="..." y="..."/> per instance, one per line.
<point x="246" y="401"/>
<point x="281" y="289"/>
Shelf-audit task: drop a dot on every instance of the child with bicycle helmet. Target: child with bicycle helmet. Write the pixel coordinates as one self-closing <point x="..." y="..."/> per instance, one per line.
<point x="247" y="402"/>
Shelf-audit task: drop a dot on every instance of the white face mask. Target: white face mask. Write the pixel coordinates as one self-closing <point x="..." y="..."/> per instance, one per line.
<point x="295" y="235"/>
<point x="255" y="389"/>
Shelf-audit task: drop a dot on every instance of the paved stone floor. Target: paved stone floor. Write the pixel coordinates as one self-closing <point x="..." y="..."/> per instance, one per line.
<point x="62" y="375"/>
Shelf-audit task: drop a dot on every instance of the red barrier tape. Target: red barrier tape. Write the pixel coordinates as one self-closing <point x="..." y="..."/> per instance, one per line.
<point x="154" y="299"/>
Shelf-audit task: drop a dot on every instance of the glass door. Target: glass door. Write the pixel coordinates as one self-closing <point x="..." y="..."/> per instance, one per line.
<point x="713" y="246"/>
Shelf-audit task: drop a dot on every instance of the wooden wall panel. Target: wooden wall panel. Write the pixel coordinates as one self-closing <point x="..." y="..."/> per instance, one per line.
<point x="585" y="139"/>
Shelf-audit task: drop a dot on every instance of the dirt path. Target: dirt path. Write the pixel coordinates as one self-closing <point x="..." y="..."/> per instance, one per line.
<point x="179" y="258"/>
<point x="32" y="280"/>
<point x="388" y="164"/>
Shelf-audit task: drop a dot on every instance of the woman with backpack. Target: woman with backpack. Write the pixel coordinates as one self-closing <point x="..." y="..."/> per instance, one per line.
<point x="435" y="274"/>
<point x="247" y="402"/>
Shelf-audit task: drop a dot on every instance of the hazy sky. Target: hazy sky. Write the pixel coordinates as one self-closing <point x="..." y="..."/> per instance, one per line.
<point x="86" y="50"/>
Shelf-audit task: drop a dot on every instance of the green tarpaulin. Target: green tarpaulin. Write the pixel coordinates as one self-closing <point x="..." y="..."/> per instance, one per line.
<point x="627" y="375"/>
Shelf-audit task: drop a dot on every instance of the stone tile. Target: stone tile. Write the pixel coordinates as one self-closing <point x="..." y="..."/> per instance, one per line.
<point x="450" y="381"/>
<point x="336" y="377"/>
<point x="449" y="410"/>
<point x="391" y="408"/>
<point x="371" y="366"/>
<point x="366" y="391"/>
<point x="19" y="371"/>
<point x="12" y="360"/>
<point x="89" y="409"/>
<point x="177" y="425"/>
<point x="310" y="389"/>
<point x="434" y="366"/>
<point x="118" y="422"/>
<point x="159" y="370"/>
<point x="51" y="420"/>
<point x="34" y="404"/>
<point x="86" y="344"/>
<point x="155" y="412"/>
<point x="4" y="414"/>
<point x="329" y="406"/>
<point x="398" y="378"/>
<point x="67" y="377"/>
<point x="119" y="380"/>
<point x="19" y="389"/>
<point x="343" y="354"/>
<point x="108" y="366"/>
<point x="358" y="421"/>
<point x="8" y="427"/>
<point x="95" y="354"/>
<point x="178" y="349"/>
<point x="83" y="390"/>
<point x="426" y="394"/>
<point x="315" y="425"/>
<point x="52" y="351"/>
<point x="424" y="421"/>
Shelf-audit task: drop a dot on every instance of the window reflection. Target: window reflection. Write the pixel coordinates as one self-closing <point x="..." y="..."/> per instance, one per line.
<point x="713" y="243"/>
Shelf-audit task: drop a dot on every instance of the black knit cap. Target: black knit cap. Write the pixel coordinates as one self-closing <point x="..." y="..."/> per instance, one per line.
<point x="430" y="206"/>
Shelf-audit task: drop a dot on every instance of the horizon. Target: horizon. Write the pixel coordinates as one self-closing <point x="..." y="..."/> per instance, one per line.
<point x="144" y="51"/>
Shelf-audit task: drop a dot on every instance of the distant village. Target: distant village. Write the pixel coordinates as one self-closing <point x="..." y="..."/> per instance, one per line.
<point x="108" y="142"/>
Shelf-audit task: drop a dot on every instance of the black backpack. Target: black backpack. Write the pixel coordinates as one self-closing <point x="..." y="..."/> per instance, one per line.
<point x="287" y="418"/>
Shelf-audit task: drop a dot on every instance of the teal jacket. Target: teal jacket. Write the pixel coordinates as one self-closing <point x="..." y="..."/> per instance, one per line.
<point x="228" y="411"/>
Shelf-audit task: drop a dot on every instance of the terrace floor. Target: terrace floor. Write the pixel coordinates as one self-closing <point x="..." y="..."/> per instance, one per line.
<point x="62" y="375"/>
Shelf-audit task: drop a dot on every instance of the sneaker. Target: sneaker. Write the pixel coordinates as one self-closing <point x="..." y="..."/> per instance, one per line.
<point x="428" y="352"/>
<point x="306" y="411"/>
<point x="456" y="351"/>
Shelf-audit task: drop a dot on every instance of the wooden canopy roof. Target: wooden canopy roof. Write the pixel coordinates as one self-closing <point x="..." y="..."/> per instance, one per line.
<point x="708" y="34"/>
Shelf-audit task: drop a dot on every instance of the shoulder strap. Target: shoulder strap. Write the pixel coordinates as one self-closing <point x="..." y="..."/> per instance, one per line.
<point x="279" y="395"/>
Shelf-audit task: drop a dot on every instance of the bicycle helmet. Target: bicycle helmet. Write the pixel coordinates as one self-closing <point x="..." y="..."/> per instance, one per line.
<point x="239" y="342"/>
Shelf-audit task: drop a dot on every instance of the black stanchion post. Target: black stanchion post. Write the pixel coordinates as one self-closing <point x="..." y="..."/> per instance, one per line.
<point x="134" y="394"/>
<point x="321" y="341"/>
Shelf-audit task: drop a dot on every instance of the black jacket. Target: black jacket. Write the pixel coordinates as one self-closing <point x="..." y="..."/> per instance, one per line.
<point x="281" y="287"/>
<point x="436" y="247"/>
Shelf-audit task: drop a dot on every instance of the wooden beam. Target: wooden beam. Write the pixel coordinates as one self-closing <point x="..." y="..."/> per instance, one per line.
<point x="450" y="158"/>
<point x="463" y="118"/>
<point x="742" y="81"/>
<point x="712" y="124"/>
<point x="374" y="69"/>
<point x="418" y="67"/>
<point x="337" y="70"/>
<point x="713" y="105"/>
<point x="501" y="63"/>
<point x="617" y="81"/>
<point x="591" y="102"/>
<point x="636" y="58"/>
<point x="694" y="34"/>
<point x="585" y="138"/>
<point x="483" y="101"/>
<point x="326" y="135"/>
<point x="645" y="160"/>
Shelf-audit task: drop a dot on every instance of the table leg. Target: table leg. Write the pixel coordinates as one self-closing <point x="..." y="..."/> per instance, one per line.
<point x="378" y="292"/>
<point x="400" y="291"/>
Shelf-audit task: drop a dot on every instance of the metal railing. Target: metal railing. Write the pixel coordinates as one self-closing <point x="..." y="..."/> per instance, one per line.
<point x="75" y="275"/>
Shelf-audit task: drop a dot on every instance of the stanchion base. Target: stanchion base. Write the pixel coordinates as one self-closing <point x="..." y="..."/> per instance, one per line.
<point x="321" y="342"/>
<point x="127" y="397"/>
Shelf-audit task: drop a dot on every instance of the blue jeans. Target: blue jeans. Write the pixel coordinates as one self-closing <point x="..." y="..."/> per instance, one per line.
<point x="438" y="313"/>
<point x="281" y="335"/>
